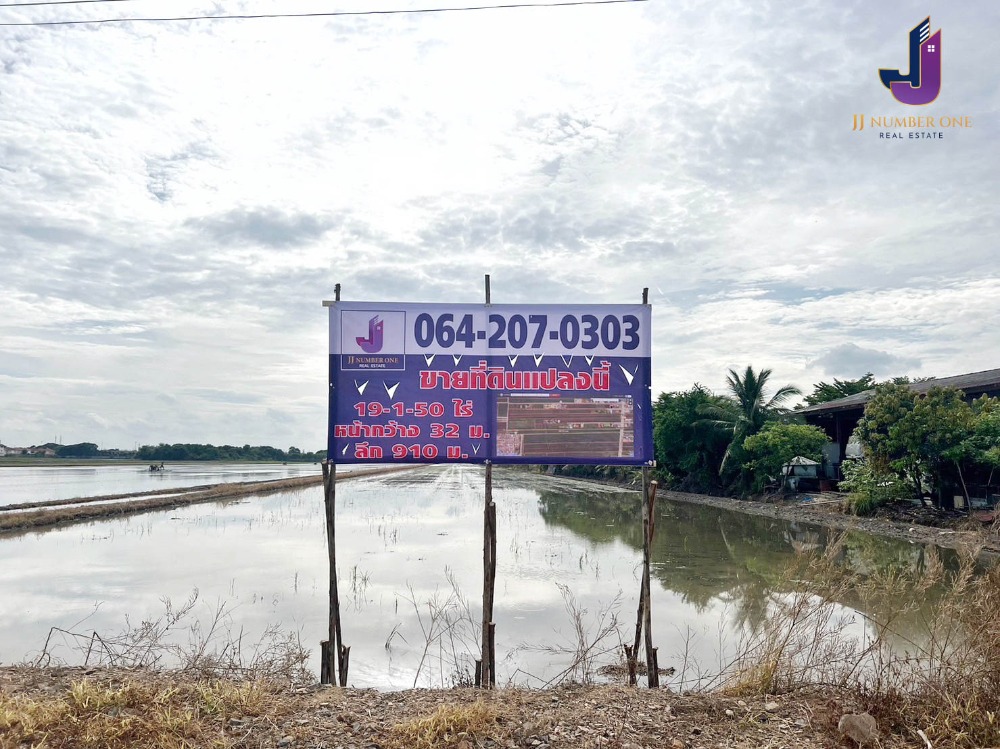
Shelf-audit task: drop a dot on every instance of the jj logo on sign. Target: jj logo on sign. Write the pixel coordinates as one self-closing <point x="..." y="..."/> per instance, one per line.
<point x="373" y="343"/>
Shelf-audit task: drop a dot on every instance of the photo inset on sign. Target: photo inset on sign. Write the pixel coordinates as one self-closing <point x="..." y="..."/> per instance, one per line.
<point x="536" y="426"/>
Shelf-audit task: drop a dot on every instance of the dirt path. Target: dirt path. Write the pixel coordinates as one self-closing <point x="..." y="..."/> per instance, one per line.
<point x="41" y="515"/>
<point x="830" y="515"/>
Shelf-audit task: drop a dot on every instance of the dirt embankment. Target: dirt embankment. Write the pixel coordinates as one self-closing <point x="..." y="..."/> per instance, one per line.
<point x="895" y="522"/>
<point x="141" y="709"/>
<point x="38" y="515"/>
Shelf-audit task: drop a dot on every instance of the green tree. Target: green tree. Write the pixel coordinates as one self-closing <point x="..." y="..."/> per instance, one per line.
<point x="688" y="451"/>
<point x="180" y="452"/>
<point x="918" y="435"/>
<point x="886" y="408"/>
<point x="766" y="452"/>
<point x="750" y="408"/>
<point x="823" y="392"/>
<point x="79" y="450"/>
<point x="980" y="447"/>
<point x="940" y="420"/>
<point x="985" y="437"/>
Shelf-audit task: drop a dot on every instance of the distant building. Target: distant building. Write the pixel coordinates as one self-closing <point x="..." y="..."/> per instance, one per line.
<point x="838" y="418"/>
<point x="46" y="451"/>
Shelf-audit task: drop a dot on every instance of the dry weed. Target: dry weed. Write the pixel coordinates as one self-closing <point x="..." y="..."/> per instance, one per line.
<point x="943" y="680"/>
<point x="804" y="640"/>
<point x="137" y="713"/>
<point x="182" y="641"/>
<point x="449" y="725"/>
<point x="591" y="640"/>
<point x="451" y="628"/>
<point x="948" y="683"/>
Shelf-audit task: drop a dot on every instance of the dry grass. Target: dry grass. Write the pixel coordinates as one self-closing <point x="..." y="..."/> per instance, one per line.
<point x="592" y="639"/>
<point x="147" y="712"/>
<point x="448" y="627"/>
<point x="187" y="644"/>
<point x="948" y="683"/>
<point x="804" y="640"/>
<point x="449" y="725"/>
<point x="943" y="681"/>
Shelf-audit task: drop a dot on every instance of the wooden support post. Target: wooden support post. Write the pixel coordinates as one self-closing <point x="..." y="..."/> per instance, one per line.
<point x="487" y="675"/>
<point x="345" y="662"/>
<point x="633" y="651"/>
<point x="324" y="662"/>
<point x="649" y="526"/>
<point x="334" y="651"/>
<point x="493" y="654"/>
<point x="644" y="617"/>
<point x="630" y="663"/>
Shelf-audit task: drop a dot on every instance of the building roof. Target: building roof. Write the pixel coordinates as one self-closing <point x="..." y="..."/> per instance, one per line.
<point x="800" y="460"/>
<point x="973" y="384"/>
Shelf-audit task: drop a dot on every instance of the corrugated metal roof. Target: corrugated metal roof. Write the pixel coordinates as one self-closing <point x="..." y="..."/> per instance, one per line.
<point x="800" y="460"/>
<point x="857" y="400"/>
<point x="974" y="382"/>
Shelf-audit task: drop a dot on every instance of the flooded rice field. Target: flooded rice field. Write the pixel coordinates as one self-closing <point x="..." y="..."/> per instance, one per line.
<point x="20" y="484"/>
<point x="409" y="549"/>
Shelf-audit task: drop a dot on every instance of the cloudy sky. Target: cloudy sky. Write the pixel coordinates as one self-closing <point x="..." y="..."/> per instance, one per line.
<point x="177" y="199"/>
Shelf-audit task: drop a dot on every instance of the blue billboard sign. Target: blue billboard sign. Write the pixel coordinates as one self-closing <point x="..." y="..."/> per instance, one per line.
<point x="440" y="383"/>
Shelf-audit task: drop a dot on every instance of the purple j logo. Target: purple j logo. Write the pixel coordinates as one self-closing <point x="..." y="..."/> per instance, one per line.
<point x="923" y="83"/>
<point x="373" y="343"/>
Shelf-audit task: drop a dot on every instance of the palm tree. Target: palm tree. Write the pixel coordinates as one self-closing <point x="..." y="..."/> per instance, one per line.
<point x="750" y="407"/>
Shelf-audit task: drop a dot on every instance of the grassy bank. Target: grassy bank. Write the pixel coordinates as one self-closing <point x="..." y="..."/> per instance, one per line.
<point x="67" y="708"/>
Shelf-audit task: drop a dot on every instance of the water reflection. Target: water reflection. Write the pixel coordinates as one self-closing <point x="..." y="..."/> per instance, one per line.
<point x="410" y="566"/>
<point x="708" y="555"/>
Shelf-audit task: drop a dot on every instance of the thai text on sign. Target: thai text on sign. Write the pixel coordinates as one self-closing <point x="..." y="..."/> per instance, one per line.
<point x="435" y="383"/>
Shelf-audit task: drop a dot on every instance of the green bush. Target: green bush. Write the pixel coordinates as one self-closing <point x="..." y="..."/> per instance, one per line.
<point x="870" y="488"/>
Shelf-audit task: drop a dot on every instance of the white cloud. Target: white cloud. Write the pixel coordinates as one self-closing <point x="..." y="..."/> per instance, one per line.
<point x="847" y="359"/>
<point x="177" y="199"/>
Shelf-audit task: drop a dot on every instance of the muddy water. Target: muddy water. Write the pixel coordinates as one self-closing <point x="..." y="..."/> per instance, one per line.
<point x="410" y="566"/>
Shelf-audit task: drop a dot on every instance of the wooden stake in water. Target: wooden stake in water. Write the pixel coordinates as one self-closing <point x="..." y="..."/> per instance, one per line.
<point x="487" y="670"/>
<point x="486" y="675"/>
<point x="644" y="617"/>
<point x="333" y="650"/>
<point x="652" y="667"/>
